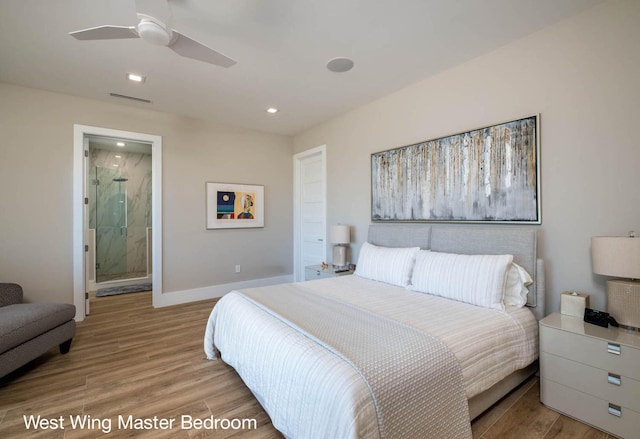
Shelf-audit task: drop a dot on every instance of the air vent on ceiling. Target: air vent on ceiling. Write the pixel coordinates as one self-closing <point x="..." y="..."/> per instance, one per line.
<point x="340" y="65"/>
<point x="131" y="98"/>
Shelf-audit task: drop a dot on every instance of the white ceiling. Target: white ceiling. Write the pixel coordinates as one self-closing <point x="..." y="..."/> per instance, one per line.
<point x="281" y="46"/>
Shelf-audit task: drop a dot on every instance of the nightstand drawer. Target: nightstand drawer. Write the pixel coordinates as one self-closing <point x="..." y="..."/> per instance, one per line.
<point x="317" y="272"/>
<point x="590" y="409"/>
<point x="597" y="352"/>
<point x="599" y="383"/>
<point x="311" y="274"/>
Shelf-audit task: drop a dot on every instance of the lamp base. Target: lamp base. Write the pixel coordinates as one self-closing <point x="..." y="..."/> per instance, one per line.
<point x="339" y="256"/>
<point x="623" y="302"/>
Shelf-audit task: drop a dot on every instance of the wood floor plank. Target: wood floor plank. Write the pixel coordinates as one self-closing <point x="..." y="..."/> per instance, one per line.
<point x="129" y="359"/>
<point x="14" y="424"/>
<point x="43" y="388"/>
<point x="567" y="427"/>
<point x="493" y="414"/>
<point x="527" y="419"/>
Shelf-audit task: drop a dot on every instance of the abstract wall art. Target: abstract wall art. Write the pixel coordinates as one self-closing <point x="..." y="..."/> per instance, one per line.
<point x="488" y="174"/>
<point x="234" y="205"/>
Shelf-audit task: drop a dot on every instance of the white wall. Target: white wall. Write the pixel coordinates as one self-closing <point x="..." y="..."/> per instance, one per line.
<point x="36" y="164"/>
<point x="581" y="75"/>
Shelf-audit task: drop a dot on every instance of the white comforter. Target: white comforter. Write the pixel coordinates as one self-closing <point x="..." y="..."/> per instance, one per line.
<point x="309" y="392"/>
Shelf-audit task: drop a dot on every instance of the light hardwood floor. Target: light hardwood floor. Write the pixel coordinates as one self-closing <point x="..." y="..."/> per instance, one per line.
<point x="129" y="359"/>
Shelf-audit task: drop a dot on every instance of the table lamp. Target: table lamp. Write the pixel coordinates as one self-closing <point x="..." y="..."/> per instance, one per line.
<point x="340" y="236"/>
<point x="619" y="256"/>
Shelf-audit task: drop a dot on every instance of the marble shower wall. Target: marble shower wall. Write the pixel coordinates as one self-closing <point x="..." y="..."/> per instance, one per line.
<point x="120" y="211"/>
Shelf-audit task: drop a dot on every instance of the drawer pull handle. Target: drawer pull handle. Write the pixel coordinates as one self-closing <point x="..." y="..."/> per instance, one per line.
<point x="615" y="410"/>
<point x="613" y="348"/>
<point x="612" y="378"/>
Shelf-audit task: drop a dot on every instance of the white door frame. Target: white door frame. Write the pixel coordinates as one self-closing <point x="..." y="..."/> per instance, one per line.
<point x="79" y="181"/>
<point x="298" y="266"/>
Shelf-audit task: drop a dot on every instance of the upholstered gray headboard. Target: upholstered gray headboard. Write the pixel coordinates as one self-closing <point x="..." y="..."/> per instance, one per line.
<point x="518" y="241"/>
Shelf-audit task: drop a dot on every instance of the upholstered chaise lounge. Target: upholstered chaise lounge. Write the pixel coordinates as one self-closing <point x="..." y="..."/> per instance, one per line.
<point x="28" y="330"/>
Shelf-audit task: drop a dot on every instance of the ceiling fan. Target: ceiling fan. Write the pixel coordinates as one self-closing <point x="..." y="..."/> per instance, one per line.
<point x="154" y="31"/>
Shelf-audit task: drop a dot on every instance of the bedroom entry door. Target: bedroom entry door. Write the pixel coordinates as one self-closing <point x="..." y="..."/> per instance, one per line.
<point x="310" y="212"/>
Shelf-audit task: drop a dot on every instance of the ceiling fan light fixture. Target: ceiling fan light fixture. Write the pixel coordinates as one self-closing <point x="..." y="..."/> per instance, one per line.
<point x="154" y="33"/>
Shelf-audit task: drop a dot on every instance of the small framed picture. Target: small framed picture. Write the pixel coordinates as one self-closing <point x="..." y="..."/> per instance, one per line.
<point x="231" y="206"/>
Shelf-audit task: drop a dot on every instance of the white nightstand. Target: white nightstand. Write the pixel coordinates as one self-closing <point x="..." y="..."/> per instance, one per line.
<point x="591" y="373"/>
<point x="316" y="272"/>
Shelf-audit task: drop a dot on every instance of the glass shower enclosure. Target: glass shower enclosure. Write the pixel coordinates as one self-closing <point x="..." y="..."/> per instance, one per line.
<point x="120" y="240"/>
<point x="109" y="220"/>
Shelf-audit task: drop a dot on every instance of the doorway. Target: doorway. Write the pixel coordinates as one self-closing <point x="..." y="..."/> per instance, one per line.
<point x="310" y="210"/>
<point x="117" y="211"/>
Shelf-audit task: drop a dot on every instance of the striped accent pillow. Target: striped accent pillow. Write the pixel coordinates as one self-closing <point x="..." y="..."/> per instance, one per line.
<point x="386" y="264"/>
<point x="475" y="279"/>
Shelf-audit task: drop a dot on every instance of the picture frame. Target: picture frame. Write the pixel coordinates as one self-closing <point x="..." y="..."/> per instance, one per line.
<point x="232" y="206"/>
<point x="489" y="174"/>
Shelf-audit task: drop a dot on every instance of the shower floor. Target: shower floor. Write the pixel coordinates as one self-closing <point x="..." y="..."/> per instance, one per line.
<point x="120" y="276"/>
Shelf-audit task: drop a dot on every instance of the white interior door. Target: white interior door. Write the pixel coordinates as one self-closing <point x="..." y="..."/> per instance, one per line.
<point x="309" y="210"/>
<point x="88" y="247"/>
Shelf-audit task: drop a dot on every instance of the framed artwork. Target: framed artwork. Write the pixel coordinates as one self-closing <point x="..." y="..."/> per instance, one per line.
<point x="231" y="206"/>
<point x="489" y="174"/>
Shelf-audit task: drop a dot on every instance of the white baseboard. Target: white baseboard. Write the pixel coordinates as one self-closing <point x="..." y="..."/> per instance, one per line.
<point x="213" y="291"/>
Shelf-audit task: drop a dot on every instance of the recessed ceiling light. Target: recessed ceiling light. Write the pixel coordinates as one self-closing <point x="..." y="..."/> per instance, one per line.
<point x="340" y="65"/>
<point x="135" y="77"/>
<point x="120" y="144"/>
<point x="115" y="166"/>
<point x="272" y="110"/>
<point x="118" y="156"/>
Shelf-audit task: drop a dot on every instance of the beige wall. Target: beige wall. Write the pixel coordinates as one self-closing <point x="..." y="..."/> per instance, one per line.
<point x="581" y="75"/>
<point x="36" y="164"/>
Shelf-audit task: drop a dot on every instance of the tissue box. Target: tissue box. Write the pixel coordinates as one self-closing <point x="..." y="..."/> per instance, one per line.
<point x="573" y="303"/>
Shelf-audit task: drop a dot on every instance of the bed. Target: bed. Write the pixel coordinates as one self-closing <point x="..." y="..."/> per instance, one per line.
<point x="374" y="357"/>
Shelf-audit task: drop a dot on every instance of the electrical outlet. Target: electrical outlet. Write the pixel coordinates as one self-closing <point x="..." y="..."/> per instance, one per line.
<point x="237" y="268"/>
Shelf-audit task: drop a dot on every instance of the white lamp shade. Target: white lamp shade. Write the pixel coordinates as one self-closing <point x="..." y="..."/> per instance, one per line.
<point x="339" y="234"/>
<point x="617" y="256"/>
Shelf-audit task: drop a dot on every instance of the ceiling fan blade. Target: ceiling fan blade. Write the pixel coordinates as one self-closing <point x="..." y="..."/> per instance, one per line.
<point x="105" y="33"/>
<point x="190" y="48"/>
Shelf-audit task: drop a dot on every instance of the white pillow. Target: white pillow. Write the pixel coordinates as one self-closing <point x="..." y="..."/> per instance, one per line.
<point x="386" y="264"/>
<point x="475" y="279"/>
<point x="515" y="289"/>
